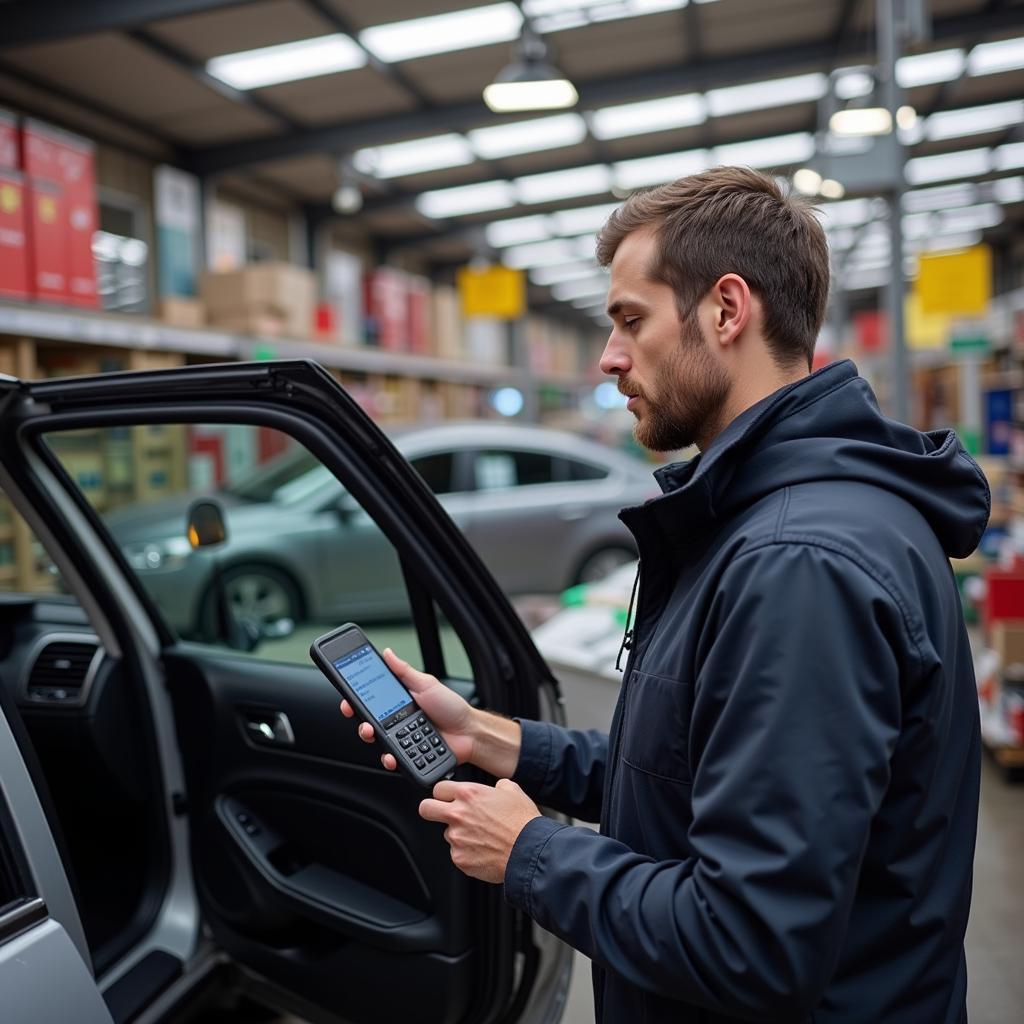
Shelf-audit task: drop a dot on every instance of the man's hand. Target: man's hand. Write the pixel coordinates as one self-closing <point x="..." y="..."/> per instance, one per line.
<point x="445" y="708"/>
<point x="483" y="823"/>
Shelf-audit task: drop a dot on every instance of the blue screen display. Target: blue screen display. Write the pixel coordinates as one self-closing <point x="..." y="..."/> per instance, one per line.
<point x="373" y="681"/>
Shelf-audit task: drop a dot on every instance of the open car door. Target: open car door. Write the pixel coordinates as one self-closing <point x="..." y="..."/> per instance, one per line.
<point x="314" y="872"/>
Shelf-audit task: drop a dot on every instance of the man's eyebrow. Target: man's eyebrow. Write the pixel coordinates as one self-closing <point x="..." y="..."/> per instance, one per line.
<point x="616" y="306"/>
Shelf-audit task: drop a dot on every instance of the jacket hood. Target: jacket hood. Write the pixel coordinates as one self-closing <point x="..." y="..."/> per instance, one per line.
<point x="828" y="427"/>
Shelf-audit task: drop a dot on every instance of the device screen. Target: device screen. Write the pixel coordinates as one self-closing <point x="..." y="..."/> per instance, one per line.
<point x="373" y="681"/>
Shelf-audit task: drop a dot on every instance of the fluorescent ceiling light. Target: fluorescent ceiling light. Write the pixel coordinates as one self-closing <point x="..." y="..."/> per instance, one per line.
<point x="841" y="239"/>
<point x="540" y="254"/>
<point x="651" y="116"/>
<point x="587" y="287"/>
<point x="546" y="93"/>
<point x="853" y="84"/>
<point x="847" y="214"/>
<point x="993" y="117"/>
<point x="563" y="272"/>
<point x="503" y="140"/>
<point x="967" y="163"/>
<point x="577" y="181"/>
<point x="585" y="246"/>
<point x="949" y="242"/>
<point x="443" y="33"/>
<point x="288" y="62"/>
<point x="414" y="157"/>
<point x="559" y="15"/>
<point x="656" y="170"/>
<point x="941" y="197"/>
<point x="993" y="58"/>
<point x="454" y="202"/>
<point x="777" y="151"/>
<point x="972" y="218"/>
<point x="518" y="231"/>
<point x="861" y="121"/>
<point x="586" y="218"/>
<point x="1008" y="190"/>
<point x="930" y="68"/>
<point x="778" y="92"/>
<point x="1008" y="157"/>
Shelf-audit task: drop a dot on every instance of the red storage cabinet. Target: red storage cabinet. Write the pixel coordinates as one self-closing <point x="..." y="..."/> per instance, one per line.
<point x="48" y="242"/>
<point x="14" y="262"/>
<point x="9" y="155"/>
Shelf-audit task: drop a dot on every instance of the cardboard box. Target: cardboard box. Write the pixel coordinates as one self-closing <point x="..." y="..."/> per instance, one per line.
<point x="182" y="312"/>
<point x="9" y="148"/>
<point x="262" y="298"/>
<point x="1007" y="640"/>
<point x="48" y="236"/>
<point x="14" y="263"/>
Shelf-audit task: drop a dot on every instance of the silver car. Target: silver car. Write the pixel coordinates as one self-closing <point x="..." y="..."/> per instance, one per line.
<point x="539" y="506"/>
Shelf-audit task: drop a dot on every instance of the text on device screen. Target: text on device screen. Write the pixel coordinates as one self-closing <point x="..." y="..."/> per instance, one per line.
<point x="372" y="680"/>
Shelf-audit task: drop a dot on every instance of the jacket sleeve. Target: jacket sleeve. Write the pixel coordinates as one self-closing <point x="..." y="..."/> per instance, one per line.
<point x="796" y="715"/>
<point x="563" y="768"/>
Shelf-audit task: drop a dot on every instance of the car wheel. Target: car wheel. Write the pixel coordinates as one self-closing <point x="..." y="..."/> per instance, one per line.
<point x="603" y="561"/>
<point x="258" y="593"/>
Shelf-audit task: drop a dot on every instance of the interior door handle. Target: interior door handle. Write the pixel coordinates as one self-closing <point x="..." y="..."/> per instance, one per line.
<point x="271" y="728"/>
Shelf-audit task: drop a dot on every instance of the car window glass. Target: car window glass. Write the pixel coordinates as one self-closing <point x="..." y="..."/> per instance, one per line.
<point x="575" y="470"/>
<point x="25" y="567"/>
<point x="436" y="470"/>
<point x="11" y="887"/>
<point x="498" y="469"/>
<point x="301" y="556"/>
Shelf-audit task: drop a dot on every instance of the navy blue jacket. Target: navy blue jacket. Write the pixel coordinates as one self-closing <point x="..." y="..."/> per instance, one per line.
<point x="788" y="797"/>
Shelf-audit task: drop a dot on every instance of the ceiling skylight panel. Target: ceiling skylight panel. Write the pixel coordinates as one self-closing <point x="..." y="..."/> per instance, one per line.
<point x="414" y="157"/>
<point x="531" y="136"/>
<point x="656" y="170"/>
<point x="779" y="92"/>
<point x="1009" y="156"/>
<point x="590" y="287"/>
<point x="777" y="151"/>
<point x="539" y="254"/>
<point x="443" y="33"/>
<point x="930" y="68"/>
<point x="465" y="199"/>
<point x="558" y="15"/>
<point x="1008" y="190"/>
<point x="554" y="185"/>
<point x="518" y="231"/>
<point x="563" y="272"/>
<point x="650" y="116"/>
<point x="952" y="124"/>
<point x="847" y="213"/>
<point x="993" y="58"/>
<point x="287" y="62"/>
<point x="940" y="197"/>
<point x="967" y="163"/>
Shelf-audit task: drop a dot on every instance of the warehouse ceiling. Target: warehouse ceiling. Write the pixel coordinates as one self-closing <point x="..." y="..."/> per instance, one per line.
<point x="739" y="82"/>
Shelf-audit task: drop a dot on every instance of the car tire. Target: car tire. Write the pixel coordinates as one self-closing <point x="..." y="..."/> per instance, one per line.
<point x="258" y="591"/>
<point x="602" y="561"/>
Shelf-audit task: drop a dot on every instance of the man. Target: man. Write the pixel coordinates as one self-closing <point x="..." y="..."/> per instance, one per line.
<point x="788" y="796"/>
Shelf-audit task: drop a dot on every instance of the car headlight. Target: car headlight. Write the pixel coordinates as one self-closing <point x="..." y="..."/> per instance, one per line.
<point x="158" y="554"/>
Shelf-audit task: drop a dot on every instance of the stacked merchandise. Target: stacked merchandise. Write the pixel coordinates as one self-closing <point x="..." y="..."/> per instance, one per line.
<point x="265" y="299"/>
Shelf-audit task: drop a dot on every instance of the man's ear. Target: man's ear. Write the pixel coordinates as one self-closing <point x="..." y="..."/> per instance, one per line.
<point x="732" y="306"/>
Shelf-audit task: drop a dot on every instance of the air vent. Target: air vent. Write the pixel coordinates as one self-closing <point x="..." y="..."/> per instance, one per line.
<point x="60" y="671"/>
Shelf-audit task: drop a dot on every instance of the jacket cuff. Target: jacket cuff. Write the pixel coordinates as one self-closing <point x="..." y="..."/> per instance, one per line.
<point x="523" y="860"/>
<point x="534" y="756"/>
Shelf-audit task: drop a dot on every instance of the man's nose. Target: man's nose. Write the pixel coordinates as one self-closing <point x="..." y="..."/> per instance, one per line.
<point x="614" y="359"/>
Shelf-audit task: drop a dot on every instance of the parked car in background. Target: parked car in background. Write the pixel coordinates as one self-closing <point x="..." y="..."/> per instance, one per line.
<point x="540" y="507"/>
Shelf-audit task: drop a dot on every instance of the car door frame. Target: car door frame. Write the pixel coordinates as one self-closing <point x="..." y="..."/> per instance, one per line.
<point x="291" y="396"/>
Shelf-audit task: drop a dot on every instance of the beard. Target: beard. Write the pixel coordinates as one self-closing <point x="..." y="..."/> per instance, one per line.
<point x="685" y="401"/>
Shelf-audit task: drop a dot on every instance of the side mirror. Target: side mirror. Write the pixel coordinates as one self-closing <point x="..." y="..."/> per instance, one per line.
<point x="206" y="526"/>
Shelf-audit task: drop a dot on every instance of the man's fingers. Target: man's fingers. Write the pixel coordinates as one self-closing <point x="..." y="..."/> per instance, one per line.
<point x="347" y="710"/>
<point x="413" y="679"/>
<point x="389" y="762"/>
<point x="366" y="733"/>
<point x="436" y="810"/>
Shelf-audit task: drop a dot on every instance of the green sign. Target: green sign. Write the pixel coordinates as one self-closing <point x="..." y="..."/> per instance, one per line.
<point x="970" y="343"/>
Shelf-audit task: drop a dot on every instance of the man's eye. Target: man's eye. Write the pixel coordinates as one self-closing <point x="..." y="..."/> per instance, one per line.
<point x="633" y="324"/>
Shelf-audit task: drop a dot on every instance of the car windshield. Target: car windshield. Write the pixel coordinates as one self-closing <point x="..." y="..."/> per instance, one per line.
<point x="272" y="478"/>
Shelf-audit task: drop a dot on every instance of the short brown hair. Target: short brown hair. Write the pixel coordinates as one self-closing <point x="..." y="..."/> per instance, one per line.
<point x="734" y="220"/>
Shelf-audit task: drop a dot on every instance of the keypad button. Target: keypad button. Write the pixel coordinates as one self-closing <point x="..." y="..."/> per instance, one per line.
<point x="427" y="730"/>
<point x="431" y="756"/>
<point x="406" y="743"/>
<point x="402" y="732"/>
<point x="420" y="763"/>
<point x="416" y="737"/>
<point x="424" y="747"/>
<point x="441" y="751"/>
<point x="422" y="720"/>
<point x="412" y="752"/>
<point x="435" y="740"/>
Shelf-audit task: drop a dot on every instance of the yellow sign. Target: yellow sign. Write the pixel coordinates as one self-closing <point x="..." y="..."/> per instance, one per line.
<point x="10" y="199"/>
<point x="955" y="283"/>
<point x="924" y="330"/>
<point x="492" y="291"/>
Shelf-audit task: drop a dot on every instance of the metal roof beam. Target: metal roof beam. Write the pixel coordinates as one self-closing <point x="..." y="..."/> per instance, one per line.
<point x="27" y="22"/>
<point x="378" y="130"/>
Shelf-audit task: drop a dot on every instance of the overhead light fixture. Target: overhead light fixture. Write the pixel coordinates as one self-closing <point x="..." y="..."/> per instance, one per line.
<point x="656" y="170"/>
<point x="582" y="219"/>
<point x="1008" y="157"/>
<point x="930" y="68"/>
<point x="967" y="163"/>
<point x="807" y="181"/>
<point x="850" y="213"/>
<point x="941" y="197"/>
<point x="553" y="185"/>
<point x="518" y="231"/>
<point x="539" y="254"/>
<point x="777" y="151"/>
<point x="832" y="189"/>
<point x="530" y="82"/>
<point x="587" y="287"/>
<point x="994" y="58"/>
<point x="992" y="117"/>
<point x="466" y="199"/>
<point x="347" y="197"/>
<point x="502" y="140"/>
<point x="778" y="92"/>
<point x="443" y="33"/>
<point x="853" y="83"/>
<point x="288" y="62"/>
<point x="1008" y="190"/>
<point x="560" y="272"/>
<point x="414" y="157"/>
<point x="628" y="119"/>
<point x="857" y="121"/>
<point x="906" y="117"/>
